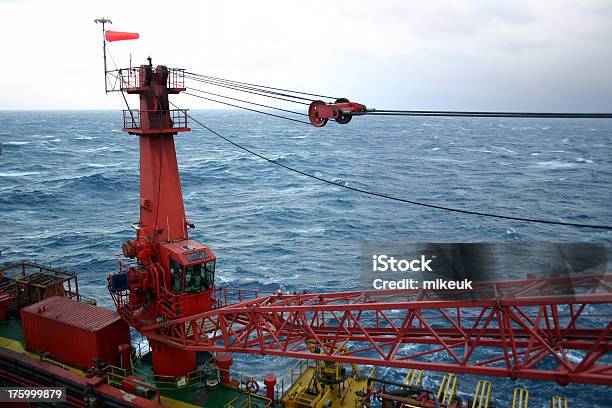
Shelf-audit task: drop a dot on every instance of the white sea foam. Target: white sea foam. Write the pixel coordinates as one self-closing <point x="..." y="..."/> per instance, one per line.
<point x="555" y="165"/>
<point x="15" y="143"/>
<point x="97" y="149"/>
<point x="503" y="148"/>
<point x="19" y="173"/>
<point x="102" y="165"/>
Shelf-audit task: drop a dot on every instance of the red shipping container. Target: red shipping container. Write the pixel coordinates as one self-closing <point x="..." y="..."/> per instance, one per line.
<point x="73" y="332"/>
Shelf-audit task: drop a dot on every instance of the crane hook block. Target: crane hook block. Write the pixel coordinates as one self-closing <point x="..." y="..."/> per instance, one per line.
<point x="342" y="111"/>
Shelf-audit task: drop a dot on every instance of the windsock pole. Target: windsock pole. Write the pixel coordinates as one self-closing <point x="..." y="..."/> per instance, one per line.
<point x="103" y="21"/>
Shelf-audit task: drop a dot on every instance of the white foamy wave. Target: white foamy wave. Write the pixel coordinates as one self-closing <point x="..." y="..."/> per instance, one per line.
<point x="503" y="149"/>
<point x="102" y="165"/>
<point x="284" y="156"/>
<point x="555" y="165"/>
<point x="97" y="149"/>
<point x="19" y="173"/>
<point x="15" y="143"/>
<point x="340" y="181"/>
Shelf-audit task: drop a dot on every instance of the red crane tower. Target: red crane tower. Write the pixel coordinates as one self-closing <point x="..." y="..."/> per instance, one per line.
<point x="173" y="275"/>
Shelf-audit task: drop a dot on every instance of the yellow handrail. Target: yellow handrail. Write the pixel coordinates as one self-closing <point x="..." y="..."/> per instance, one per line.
<point x="520" y="399"/>
<point x="448" y="388"/>
<point x="482" y="395"/>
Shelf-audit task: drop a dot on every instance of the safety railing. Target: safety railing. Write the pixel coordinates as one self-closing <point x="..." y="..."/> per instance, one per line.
<point x="114" y="375"/>
<point x="249" y="401"/>
<point x="194" y="378"/>
<point x="17" y="276"/>
<point x="227" y="296"/>
<point x="117" y="376"/>
<point x="293" y="373"/>
<point x="125" y="79"/>
<point x="176" y="78"/>
<point x="242" y="381"/>
<point x="172" y="304"/>
<point x="132" y="118"/>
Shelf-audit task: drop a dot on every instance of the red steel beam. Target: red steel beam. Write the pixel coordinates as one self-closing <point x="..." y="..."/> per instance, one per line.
<point x="531" y="329"/>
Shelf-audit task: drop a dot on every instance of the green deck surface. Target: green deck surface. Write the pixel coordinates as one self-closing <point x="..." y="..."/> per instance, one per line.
<point x="11" y="329"/>
<point x="218" y="397"/>
<point x="199" y="394"/>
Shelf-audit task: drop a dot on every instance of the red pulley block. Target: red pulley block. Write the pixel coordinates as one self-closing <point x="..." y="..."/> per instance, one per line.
<point x="342" y="111"/>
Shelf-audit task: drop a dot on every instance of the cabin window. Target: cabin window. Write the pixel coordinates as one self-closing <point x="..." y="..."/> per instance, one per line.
<point x="199" y="277"/>
<point x="176" y="276"/>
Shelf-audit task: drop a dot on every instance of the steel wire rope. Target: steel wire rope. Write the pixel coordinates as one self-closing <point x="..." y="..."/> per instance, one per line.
<point x="244" y="107"/>
<point x="245" y="101"/>
<point x="551" y="115"/>
<point x="251" y="92"/>
<point x="398" y="199"/>
<point x="261" y="86"/>
<point x="256" y="91"/>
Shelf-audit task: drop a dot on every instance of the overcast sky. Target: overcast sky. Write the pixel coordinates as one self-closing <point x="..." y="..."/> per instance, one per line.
<point x="483" y="54"/>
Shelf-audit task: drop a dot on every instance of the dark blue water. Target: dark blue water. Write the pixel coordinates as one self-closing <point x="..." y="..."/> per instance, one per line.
<point x="69" y="192"/>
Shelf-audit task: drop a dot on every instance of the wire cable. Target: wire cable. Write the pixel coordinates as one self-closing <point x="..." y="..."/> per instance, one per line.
<point x="551" y="115"/>
<point x="249" y="109"/>
<point x="251" y="92"/>
<point x="243" y="87"/>
<point x="261" y="86"/>
<point x="252" y="103"/>
<point x="388" y="197"/>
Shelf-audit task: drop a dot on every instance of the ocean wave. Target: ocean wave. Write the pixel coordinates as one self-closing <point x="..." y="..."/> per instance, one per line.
<point x="15" y="143"/>
<point x="96" y="149"/>
<point x="503" y="149"/>
<point x="19" y="173"/>
<point x="555" y="165"/>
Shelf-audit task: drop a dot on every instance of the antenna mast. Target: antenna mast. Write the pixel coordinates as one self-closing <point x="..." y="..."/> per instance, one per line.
<point x="103" y="21"/>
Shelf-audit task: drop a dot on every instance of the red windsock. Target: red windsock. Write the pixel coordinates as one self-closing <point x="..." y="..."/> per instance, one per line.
<point x="119" y="35"/>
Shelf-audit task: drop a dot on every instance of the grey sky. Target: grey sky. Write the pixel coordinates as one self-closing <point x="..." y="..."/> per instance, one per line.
<point x="480" y="54"/>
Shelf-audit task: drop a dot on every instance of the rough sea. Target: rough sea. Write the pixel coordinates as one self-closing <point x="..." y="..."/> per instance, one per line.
<point x="69" y="193"/>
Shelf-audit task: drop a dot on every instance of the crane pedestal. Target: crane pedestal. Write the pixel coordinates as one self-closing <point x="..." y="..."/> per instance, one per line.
<point x="170" y="361"/>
